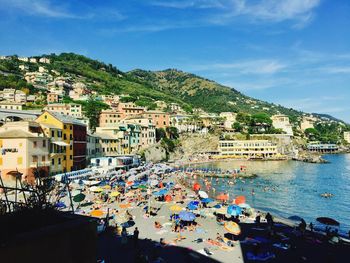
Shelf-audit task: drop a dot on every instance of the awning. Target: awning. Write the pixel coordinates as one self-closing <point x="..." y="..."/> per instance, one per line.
<point x="60" y="143"/>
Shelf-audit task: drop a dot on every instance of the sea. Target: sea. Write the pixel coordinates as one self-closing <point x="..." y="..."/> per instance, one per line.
<point x="288" y="188"/>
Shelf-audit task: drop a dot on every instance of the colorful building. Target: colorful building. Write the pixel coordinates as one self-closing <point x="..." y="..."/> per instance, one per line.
<point x="73" y="134"/>
<point x="24" y="151"/>
<point x="159" y="118"/>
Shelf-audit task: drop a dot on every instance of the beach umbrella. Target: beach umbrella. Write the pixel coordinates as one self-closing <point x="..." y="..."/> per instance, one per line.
<point x="328" y="221"/>
<point x="142" y="186"/>
<point x="168" y="198"/>
<point x="95" y="189"/>
<point x="221" y="211"/>
<point x="217" y="206"/>
<point x="240" y="200"/>
<point x="163" y="191"/>
<point x="91" y="183"/>
<point x="175" y="208"/>
<point x="128" y="224"/>
<point x="196" y="186"/>
<point x="244" y="205"/>
<point x="234" y="210"/>
<point x="130" y="183"/>
<point x="295" y="218"/>
<point x="114" y="194"/>
<point x="232" y="228"/>
<point x="193" y="205"/>
<point x="60" y="205"/>
<point x="79" y="198"/>
<point x="96" y="213"/>
<point x="187" y="216"/>
<point x="207" y="200"/>
<point x="222" y="197"/>
<point x="107" y="187"/>
<point x="124" y="205"/>
<point x="202" y="194"/>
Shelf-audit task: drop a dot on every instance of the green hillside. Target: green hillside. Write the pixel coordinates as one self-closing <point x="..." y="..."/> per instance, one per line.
<point x="146" y="87"/>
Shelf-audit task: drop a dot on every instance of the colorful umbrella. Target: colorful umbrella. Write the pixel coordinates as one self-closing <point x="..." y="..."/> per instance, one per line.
<point x="95" y="189"/>
<point x="96" y="213"/>
<point x="232" y="228"/>
<point x="222" y="197"/>
<point x="196" y="186"/>
<point x="221" y="210"/>
<point x="114" y="194"/>
<point x="187" y="216"/>
<point x="107" y="187"/>
<point x="124" y="205"/>
<point x="60" y="205"/>
<point x="142" y="186"/>
<point x="168" y="198"/>
<point x="175" y="208"/>
<point x="234" y="210"/>
<point x="328" y="221"/>
<point x="207" y="200"/>
<point x="193" y="205"/>
<point x="79" y="198"/>
<point x="240" y="200"/>
<point x="203" y="194"/>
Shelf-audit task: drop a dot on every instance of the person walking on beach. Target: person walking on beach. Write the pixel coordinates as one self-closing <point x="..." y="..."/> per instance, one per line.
<point x="136" y="237"/>
<point x="124" y="240"/>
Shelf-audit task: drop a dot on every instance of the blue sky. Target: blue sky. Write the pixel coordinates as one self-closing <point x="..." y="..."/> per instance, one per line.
<point x="292" y="52"/>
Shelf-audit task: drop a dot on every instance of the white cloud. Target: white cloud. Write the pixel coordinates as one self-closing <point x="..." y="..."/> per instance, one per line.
<point x="178" y="4"/>
<point x="260" y="66"/>
<point x="336" y="69"/>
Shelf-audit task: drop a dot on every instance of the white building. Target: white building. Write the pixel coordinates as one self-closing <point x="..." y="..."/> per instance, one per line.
<point x="281" y="121"/>
<point x="230" y="119"/>
<point x="20" y="96"/>
<point x="307" y="122"/>
<point x="347" y="136"/>
<point x="10" y="105"/>
<point x="33" y="60"/>
<point x="248" y="148"/>
<point x="24" y="59"/>
<point x="44" y="60"/>
<point x="8" y="94"/>
<point x="71" y="109"/>
<point x="23" y="67"/>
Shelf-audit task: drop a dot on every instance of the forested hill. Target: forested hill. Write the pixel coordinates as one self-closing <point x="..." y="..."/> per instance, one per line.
<point x="145" y="87"/>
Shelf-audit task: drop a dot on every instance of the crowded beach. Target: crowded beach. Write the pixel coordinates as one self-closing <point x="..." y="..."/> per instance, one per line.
<point x="155" y="213"/>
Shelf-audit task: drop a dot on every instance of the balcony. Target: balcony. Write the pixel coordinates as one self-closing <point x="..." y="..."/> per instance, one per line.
<point x="39" y="164"/>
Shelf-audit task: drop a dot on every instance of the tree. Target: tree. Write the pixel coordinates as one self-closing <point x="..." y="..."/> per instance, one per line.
<point x="92" y="110"/>
<point x="237" y="127"/>
<point x="160" y="134"/>
<point x="172" y="132"/>
<point x="311" y="133"/>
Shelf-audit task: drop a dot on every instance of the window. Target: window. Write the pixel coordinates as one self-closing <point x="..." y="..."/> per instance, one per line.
<point x="34" y="144"/>
<point x="64" y="137"/>
<point x="53" y="161"/>
<point x="44" y="143"/>
<point x="59" y="160"/>
<point x="71" y="137"/>
<point x="35" y="158"/>
<point x="70" y="157"/>
<point x="43" y="159"/>
<point x="52" y="134"/>
<point x="65" y="126"/>
<point x="71" y="147"/>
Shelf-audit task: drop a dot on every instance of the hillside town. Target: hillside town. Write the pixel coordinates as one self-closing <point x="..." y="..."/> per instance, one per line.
<point x="49" y="129"/>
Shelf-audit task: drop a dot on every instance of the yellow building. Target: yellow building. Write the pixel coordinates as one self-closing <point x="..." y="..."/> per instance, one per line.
<point x="64" y="124"/>
<point x="57" y="148"/>
<point x="248" y="148"/>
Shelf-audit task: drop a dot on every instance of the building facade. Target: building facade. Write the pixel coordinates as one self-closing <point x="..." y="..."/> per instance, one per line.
<point x="70" y="109"/>
<point x="282" y="122"/>
<point x="347" y="136"/>
<point x="248" y="148"/>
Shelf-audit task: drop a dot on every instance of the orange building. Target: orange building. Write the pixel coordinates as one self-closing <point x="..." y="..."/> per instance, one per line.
<point x="109" y="118"/>
<point x="159" y="118"/>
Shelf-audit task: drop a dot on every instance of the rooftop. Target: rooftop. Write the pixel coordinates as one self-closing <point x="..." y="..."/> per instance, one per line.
<point x="17" y="134"/>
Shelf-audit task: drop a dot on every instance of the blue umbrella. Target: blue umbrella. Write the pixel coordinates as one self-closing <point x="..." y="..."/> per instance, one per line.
<point x="163" y="191"/>
<point x="217" y="206"/>
<point x="193" y="205"/>
<point x="187" y="216"/>
<point x="60" y="205"/>
<point x="234" y="210"/>
<point x="207" y="200"/>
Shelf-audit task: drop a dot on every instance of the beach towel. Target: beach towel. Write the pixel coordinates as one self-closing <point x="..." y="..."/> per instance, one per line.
<point x="260" y="257"/>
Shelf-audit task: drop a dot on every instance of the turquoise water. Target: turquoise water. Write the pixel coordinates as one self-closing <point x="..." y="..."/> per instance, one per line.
<point x="288" y="188"/>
